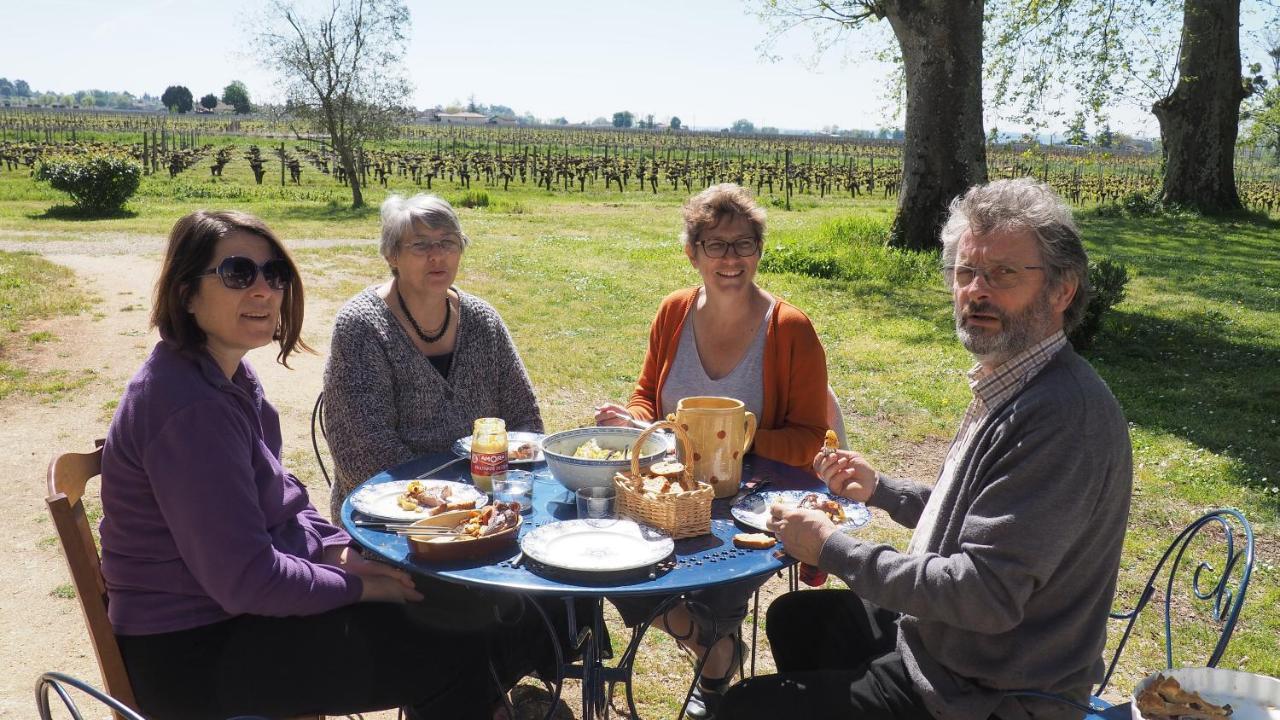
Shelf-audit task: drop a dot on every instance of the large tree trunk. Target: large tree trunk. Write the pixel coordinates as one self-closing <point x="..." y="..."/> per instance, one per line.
<point x="944" y="149"/>
<point x="1199" y="120"/>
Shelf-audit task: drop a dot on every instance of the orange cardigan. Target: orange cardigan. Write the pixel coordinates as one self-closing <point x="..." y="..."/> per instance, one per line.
<point x="795" y="378"/>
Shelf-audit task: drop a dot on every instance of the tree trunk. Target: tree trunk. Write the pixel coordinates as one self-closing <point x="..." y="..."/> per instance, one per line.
<point x="944" y="150"/>
<point x="348" y="158"/>
<point x="1199" y="120"/>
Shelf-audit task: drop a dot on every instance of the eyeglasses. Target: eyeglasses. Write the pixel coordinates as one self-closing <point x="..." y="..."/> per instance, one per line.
<point x="448" y="246"/>
<point x="1000" y="277"/>
<point x="238" y="273"/>
<point x="742" y="247"/>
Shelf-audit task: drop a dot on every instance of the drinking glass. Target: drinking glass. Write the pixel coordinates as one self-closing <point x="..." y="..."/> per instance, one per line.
<point x="597" y="505"/>
<point x="516" y="487"/>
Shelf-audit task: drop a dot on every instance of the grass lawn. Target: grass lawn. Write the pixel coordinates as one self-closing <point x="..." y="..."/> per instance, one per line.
<point x="33" y="288"/>
<point x="1192" y="353"/>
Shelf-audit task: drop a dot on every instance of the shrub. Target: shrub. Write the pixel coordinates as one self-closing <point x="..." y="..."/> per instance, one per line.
<point x="852" y="249"/>
<point x="473" y="199"/>
<point x="1137" y="204"/>
<point x="97" y="184"/>
<point x="800" y="261"/>
<point x="1108" y="279"/>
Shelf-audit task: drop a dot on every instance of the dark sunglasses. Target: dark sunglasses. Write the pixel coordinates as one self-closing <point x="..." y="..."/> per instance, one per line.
<point x="238" y="273"/>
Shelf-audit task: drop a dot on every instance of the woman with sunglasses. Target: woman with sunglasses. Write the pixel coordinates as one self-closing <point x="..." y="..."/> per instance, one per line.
<point x="229" y="594"/>
<point x="727" y="338"/>
<point x="415" y="360"/>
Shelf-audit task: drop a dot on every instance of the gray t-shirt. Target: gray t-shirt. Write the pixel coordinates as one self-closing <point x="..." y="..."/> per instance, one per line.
<point x="688" y="378"/>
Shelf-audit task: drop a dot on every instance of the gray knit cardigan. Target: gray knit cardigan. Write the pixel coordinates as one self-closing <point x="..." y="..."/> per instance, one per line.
<point x="385" y="403"/>
<point x="1013" y="589"/>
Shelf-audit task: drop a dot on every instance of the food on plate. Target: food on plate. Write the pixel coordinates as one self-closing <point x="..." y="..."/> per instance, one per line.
<point x="591" y="450"/>
<point x="1166" y="698"/>
<point x="522" y="450"/>
<point x="831" y="442"/>
<point x="754" y="541"/>
<point x="827" y="505"/>
<point x="488" y="520"/>
<point x="432" y="499"/>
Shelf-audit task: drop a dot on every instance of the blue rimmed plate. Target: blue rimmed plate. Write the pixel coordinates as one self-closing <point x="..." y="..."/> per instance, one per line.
<point x="597" y="545"/>
<point x="515" y="439"/>
<point x="753" y="510"/>
<point x="379" y="500"/>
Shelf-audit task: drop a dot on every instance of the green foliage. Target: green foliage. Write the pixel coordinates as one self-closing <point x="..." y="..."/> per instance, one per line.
<point x="209" y="102"/>
<point x="237" y="95"/>
<point x="623" y="119"/>
<point x="743" y="125"/>
<point x="98" y="184"/>
<point x="63" y="592"/>
<point x="472" y="199"/>
<point x="178" y="99"/>
<point x="852" y="249"/>
<point x="1107" y="278"/>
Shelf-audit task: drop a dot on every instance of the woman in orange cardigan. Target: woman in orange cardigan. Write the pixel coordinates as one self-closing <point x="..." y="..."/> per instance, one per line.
<point x="727" y="338"/>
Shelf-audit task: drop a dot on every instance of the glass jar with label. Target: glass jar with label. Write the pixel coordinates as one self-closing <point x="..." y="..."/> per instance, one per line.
<point x="488" y="452"/>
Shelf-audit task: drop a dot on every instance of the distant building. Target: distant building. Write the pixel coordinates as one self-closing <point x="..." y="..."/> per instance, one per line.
<point x="462" y="118"/>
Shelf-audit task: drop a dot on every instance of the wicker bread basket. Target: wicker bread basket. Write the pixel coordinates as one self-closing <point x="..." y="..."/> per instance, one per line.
<point x="683" y="513"/>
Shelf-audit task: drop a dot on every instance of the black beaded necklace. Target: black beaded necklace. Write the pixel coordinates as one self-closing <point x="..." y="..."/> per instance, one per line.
<point x="432" y="337"/>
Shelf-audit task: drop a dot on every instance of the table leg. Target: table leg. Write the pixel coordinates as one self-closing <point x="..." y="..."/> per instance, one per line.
<point x="555" y="644"/>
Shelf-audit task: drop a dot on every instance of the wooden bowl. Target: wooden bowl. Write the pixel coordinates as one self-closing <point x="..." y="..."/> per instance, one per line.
<point x="450" y="548"/>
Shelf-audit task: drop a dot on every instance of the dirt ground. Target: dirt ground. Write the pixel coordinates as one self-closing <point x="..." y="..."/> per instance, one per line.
<point x="41" y="631"/>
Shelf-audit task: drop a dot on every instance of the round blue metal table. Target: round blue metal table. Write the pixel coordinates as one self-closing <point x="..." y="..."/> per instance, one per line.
<point x="697" y="563"/>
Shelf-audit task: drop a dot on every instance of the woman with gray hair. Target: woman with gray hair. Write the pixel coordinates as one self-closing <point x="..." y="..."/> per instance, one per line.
<point x="414" y="360"/>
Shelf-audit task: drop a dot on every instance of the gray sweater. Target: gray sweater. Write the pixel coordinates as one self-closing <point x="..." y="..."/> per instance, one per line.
<point x="1013" y="588"/>
<point x="385" y="403"/>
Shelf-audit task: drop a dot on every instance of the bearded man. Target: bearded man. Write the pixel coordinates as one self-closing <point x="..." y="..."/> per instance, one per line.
<point x="1010" y="572"/>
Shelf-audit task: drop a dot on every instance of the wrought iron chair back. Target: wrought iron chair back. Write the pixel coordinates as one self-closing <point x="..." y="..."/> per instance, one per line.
<point x="317" y="422"/>
<point x="1224" y="590"/>
<point x="1222" y="584"/>
<point x="57" y="682"/>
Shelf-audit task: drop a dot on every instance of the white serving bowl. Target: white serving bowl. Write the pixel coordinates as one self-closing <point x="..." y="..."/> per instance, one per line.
<point x="576" y="473"/>
<point x="1251" y="696"/>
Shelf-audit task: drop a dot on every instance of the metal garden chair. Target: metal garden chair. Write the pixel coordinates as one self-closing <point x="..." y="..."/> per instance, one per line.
<point x="58" y="682"/>
<point x="1223" y="540"/>
<point x="317" y="422"/>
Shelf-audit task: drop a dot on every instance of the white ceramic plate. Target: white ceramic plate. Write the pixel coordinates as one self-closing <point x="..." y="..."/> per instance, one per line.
<point x="379" y="500"/>
<point x="462" y="446"/>
<point x="613" y="546"/>
<point x="753" y="510"/>
<point x="1251" y="696"/>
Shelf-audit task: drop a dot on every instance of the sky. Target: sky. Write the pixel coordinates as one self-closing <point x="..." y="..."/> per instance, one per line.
<point x="699" y="60"/>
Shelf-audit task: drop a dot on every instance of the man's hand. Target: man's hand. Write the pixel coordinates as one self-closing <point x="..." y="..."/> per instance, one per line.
<point x="382" y="583"/>
<point x="846" y="474"/>
<point x="802" y="532"/>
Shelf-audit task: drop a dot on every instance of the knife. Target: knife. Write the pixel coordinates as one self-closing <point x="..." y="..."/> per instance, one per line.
<point x="434" y="470"/>
<point x="750" y="490"/>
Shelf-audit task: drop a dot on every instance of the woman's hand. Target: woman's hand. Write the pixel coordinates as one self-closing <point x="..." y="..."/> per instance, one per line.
<point x="612" y="414"/>
<point x="383" y="588"/>
<point x="382" y="583"/>
<point x="846" y="474"/>
<point x="801" y="532"/>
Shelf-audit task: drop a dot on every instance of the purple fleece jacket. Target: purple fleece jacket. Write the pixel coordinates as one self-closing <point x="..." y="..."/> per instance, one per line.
<point x="200" y="520"/>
